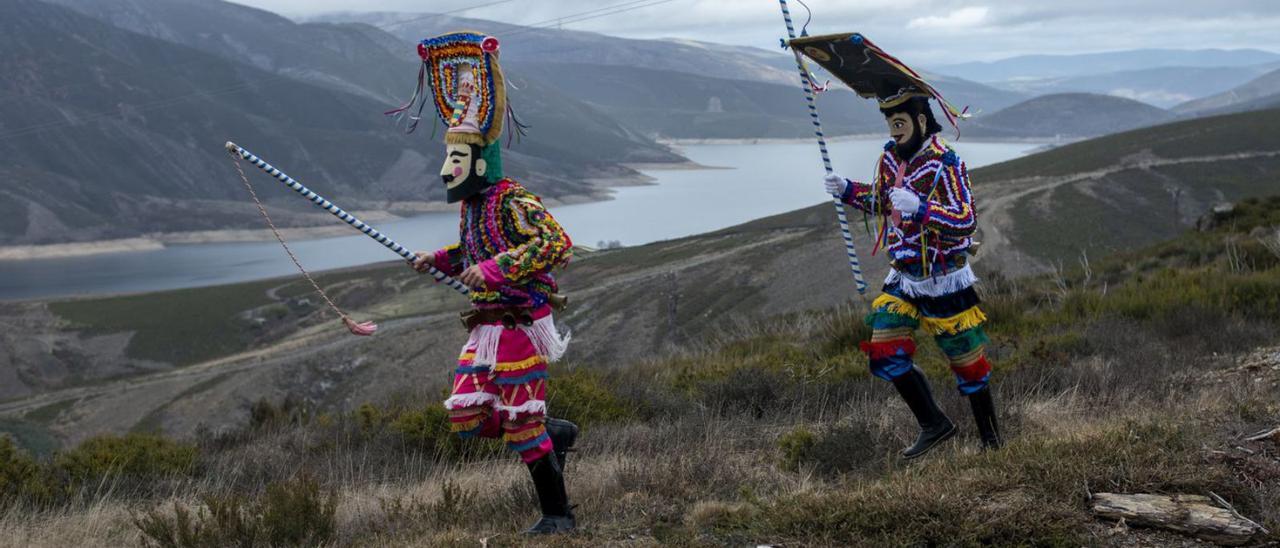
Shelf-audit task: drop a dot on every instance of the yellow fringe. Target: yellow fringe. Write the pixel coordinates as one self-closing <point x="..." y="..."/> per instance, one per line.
<point x="465" y="426"/>
<point x="517" y="366"/>
<point x="968" y="319"/>
<point x="894" y="305"/>
<point x="525" y="435"/>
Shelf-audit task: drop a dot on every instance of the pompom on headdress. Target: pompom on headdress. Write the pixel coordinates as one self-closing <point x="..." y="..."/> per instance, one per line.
<point x="465" y="81"/>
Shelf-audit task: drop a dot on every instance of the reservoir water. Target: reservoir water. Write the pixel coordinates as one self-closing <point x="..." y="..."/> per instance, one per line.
<point x="754" y="180"/>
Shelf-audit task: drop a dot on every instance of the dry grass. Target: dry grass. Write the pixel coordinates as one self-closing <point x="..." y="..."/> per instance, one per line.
<point x="1130" y="377"/>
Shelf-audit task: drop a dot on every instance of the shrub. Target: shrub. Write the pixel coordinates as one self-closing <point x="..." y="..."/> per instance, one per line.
<point x="295" y="513"/>
<point x="23" y="479"/>
<point x="843" y="448"/>
<point x="583" y="396"/>
<point x="138" y="456"/>
<point x="264" y="415"/>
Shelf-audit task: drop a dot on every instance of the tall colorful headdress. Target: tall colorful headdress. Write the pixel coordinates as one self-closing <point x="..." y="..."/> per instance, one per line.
<point x="871" y="72"/>
<point x="466" y="85"/>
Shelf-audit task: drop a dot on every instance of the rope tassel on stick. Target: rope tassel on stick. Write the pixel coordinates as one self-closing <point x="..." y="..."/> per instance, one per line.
<point x="841" y="217"/>
<point x="357" y="328"/>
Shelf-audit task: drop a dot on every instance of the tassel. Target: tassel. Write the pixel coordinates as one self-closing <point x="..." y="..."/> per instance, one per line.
<point x="418" y="97"/>
<point x="365" y="329"/>
<point x="518" y="129"/>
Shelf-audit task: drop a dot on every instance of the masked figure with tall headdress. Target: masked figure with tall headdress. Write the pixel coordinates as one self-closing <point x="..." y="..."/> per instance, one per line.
<point x="920" y="197"/>
<point x="507" y="247"/>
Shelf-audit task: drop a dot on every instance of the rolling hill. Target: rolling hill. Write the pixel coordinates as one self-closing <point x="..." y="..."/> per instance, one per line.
<point x="108" y="133"/>
<point x="1066" y="115"/>
<point x="1260" y="93"/>
<point x="1163" y="87"/>
<point x="1097" y="197"/>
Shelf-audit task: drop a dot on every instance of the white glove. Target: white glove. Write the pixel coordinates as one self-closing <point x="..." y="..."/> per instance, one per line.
<point x="836" y="185"/>
<point x="904" y="201"/>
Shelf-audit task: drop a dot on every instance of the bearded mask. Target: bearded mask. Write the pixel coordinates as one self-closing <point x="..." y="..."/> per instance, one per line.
<point x="469" y="169"/>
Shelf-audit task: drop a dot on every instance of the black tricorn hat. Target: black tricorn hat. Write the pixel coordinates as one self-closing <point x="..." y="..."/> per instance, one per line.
<point x="870" y="72"/>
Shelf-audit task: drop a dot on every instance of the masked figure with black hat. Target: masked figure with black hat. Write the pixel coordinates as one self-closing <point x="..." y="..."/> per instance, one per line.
<point x="921" y="199"/>
<point x="508" y="245"/>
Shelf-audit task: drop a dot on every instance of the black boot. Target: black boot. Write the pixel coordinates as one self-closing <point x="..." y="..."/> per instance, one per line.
<point x="548" y="480"/>
<point x="984" y="412"/>
<point x="563" y="434"/>
<point x="934" y="425"/>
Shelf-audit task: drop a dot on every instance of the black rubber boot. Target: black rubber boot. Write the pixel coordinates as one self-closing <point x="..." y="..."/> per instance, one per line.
<point x="935" y="427"/>
<point x="563" y="435"/>
<point x="984" y="412"/>
<point x="548" y="480"/>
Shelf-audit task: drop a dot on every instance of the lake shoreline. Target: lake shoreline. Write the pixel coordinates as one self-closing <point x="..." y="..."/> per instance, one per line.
<point x="401" y="211"/>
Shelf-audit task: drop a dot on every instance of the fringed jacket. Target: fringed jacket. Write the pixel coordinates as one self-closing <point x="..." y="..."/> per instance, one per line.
<point x="942" y="228"/>
<point x="507" y="231"/>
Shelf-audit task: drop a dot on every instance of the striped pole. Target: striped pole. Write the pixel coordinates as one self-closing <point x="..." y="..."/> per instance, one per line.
<point x="339" y="213"/>
<point x="841" y="217"/>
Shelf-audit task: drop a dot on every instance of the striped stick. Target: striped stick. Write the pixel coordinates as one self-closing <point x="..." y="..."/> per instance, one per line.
<point x="826" y="157"/>
<point x="339" y="213"/>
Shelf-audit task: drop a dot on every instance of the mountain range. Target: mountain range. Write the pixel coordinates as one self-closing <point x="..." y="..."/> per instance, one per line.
<point x="115" y="110"/>
<point x="108" y="133"/>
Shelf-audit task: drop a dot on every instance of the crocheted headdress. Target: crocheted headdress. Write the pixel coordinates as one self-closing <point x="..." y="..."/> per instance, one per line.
<point x="871" y="72"/>
<point x="466" y="87"/>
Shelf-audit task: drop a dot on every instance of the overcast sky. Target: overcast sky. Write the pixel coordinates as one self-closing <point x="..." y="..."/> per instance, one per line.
<point x="932" y="31"/>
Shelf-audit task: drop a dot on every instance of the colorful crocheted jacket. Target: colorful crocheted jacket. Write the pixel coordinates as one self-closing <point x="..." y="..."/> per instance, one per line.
<point x="945" y="222"/>
<point x="507" y="231"/>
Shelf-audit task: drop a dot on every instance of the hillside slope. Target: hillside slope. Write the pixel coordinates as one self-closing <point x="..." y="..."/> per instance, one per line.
<point x="1253" y="95"/>
<point x="1067" y="115"/>
<point x="260" y="340"/>
<point x="1154" y="372"/>
<point x="97" y="146"/>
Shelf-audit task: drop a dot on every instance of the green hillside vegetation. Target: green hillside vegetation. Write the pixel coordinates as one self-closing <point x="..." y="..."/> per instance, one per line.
<point x="774" y="433"/>
<point x="1214" y="136"/>
<point x="1132" y="189"/>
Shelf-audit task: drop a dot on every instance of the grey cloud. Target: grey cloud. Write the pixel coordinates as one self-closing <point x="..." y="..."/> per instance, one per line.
<point x="1009" y="28"/>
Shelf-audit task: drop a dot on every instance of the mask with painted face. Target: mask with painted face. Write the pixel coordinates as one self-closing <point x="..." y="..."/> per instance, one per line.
<point x="466" y="171"/>
<point x="910" y="122"/>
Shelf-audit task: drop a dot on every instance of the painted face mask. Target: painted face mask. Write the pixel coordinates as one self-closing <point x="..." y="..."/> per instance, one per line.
<point x="465" y="171"/>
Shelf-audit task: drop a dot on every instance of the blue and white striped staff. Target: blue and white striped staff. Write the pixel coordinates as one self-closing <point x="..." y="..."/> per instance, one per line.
<point x="339" y="213"/>
<point x="826" y="157"/>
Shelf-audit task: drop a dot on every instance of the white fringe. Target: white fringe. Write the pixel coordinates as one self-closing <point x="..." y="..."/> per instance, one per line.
<point x="531" y="406"/>
<point x="546" y="338"/>
<point x="484" y="341"/>
<point x="474" y="399"/>
<point x="933" y="286"/>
